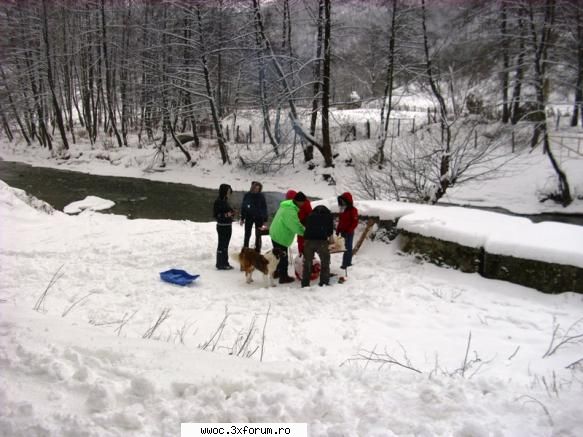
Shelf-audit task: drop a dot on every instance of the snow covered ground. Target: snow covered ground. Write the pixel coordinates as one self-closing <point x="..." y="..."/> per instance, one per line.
<point x="80" y="365"/>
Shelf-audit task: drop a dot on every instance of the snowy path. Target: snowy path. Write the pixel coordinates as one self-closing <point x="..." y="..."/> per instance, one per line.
<point x="65" y="375"/>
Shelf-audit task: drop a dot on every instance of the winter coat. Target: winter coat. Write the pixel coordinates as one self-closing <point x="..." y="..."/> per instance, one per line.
<point x="348" y="220"/>
<point x="222" y="206"/>
<point x="286" y="224"/>
<point x="319" y="224"/>
<point x="254" y="207"/>
<point x="305" y="209"/>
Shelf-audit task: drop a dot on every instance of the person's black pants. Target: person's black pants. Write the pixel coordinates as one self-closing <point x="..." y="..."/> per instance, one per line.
<point x="249" y="223"/>
<point x="283" y="261"/>
<point x="224" y="232"/>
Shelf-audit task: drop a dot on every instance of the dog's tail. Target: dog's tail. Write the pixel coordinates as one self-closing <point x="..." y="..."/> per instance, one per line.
<point x="234" y="256"/>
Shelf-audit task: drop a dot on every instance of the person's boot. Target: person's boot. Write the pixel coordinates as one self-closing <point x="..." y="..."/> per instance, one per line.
<point x="223" y="260"/>
<point x="305" y="284"/>
<point x="286" y="279"/>
<point x="226" y="264"/>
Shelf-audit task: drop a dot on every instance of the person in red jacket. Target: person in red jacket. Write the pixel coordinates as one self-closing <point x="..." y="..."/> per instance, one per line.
<point x="346" y="225"/>
<point x="303" y="214"/>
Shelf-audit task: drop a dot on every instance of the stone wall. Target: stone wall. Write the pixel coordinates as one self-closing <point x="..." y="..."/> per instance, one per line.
<point x="543" y="276"/>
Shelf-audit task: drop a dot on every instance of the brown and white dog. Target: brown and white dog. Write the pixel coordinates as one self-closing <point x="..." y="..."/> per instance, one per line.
<point x="250" y="261"/>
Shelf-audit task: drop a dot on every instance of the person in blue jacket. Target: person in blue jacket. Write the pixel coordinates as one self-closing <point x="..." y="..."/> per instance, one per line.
<point x="223" y="214"/>
<point x="254" y="213"/>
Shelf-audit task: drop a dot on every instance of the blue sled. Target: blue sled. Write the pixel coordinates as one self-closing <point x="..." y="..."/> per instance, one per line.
<point x="178" y="277"/>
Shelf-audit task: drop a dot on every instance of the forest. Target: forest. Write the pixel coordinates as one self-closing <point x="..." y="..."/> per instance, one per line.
<point x="171" y="72"/>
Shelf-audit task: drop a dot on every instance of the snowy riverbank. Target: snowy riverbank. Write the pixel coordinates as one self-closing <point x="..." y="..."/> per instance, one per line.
<point x="516" y="187"/>
<point x="82" y="366"/>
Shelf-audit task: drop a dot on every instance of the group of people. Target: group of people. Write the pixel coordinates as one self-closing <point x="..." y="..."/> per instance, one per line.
<point x="314" y="229"/>
<point x="253" y="214"/>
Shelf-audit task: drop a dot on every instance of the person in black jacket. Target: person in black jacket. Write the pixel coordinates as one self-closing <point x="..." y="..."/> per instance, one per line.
<point x="223" y="213"/>
<point x="319" y="230"/>
<point x="254" y="213"/>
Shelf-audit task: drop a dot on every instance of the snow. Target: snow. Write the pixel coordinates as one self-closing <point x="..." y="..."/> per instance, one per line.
<point x="90" y="372"/>
<point x="500" y="234"/>
<point x="518" y="186"/>
<point x="547" y="241"/>
<point x="90" y="203"/>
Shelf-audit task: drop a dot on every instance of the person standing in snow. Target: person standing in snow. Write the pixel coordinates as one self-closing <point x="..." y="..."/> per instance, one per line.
<point x="284" y="227"/>
<point x="223" y="214"/>
<point x="347" y="223"/>
<point x="254" y="213"/>
<point x="319" y="230"/>
<point x="303" y="214"/>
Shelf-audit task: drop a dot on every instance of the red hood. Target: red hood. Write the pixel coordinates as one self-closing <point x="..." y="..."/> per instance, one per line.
<point x="290" y="195"/>
<point x="348" y="197"/>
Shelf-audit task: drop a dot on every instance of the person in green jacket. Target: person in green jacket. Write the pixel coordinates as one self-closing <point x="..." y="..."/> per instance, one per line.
<point x="284" y="227"/>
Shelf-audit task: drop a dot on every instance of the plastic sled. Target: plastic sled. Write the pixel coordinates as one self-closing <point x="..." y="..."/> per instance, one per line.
<point x="178" y="277"/>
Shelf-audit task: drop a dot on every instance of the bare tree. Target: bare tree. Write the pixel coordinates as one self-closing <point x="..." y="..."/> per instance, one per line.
<point x="505" y="62"/>
<point x="210" y="94"/>
<point x="309" y="153"/>
<point x="387" y="102"/>
<point x="540" y="40"/>
<point x="327" y="47"/>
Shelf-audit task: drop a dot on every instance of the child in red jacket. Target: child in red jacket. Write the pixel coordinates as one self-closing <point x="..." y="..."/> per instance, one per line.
<point x="346" y="225"/>
<point x="303" y="214"/>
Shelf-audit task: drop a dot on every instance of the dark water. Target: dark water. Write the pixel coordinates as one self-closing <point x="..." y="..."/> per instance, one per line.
<point x="135" y="198"/>
<point x="572" y="219"/>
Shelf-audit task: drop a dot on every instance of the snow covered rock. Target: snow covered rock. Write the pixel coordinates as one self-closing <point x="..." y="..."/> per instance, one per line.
<point x="90" y="203"/>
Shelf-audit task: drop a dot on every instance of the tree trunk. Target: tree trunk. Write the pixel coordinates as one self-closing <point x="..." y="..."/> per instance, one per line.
<point x="518" y="73"/>
<point x="444" y="180"/>
<point x="6" y="126"/>
<point x="326" y="147"/>
<point x="505" y="65"/>
<point x="211" y="98"/>
<point x="56" y="108"/>
<point x="262" y="91"/>
<point x="14" y="109"/>
<point x="187" y="98"/>
<point x="540" y="60"/>
<point x="578" y="106"/>
<point x="108" y="77"/>
<point x="388" y="91"/>
<point x="317" y="77"/>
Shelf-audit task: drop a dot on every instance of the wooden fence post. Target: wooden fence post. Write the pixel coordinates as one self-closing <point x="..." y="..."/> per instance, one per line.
<point x="250" y="134"/>
<point x="413" y="128"/>
<point x="512" y="141"/>
<point x="367" y="129"/>
<point x="237" y="137"/>
<point x="398" y="126"/>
